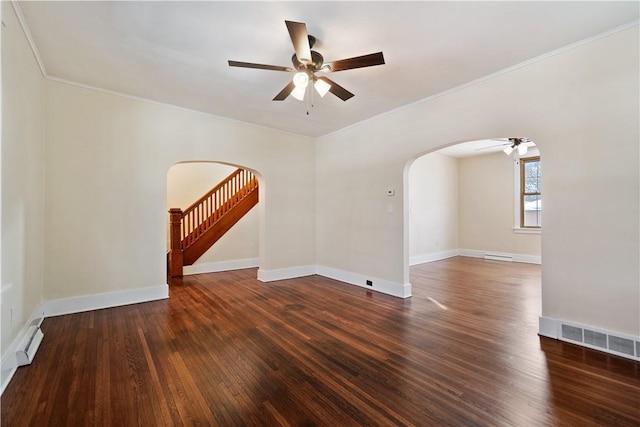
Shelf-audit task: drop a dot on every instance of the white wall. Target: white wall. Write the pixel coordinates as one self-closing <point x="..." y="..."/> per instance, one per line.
<point x="487" y="200"/>
<point x="22" y="181"/>
<point x="186" y="183"/>
<point x="107" y="161"/>
<point x="581" y="108"/>
<point x="433" y="208"/>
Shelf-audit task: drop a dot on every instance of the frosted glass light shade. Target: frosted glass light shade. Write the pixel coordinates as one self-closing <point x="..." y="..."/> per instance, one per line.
<point x="322" y="87"/>
<point x="522" y="149"/>
<point x="298" y="93"/>
<point x="508" y="150"/>
<point x="301" y="80"/>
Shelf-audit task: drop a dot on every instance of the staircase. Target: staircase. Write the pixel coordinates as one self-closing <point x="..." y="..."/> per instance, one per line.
<point x="194" y="230"/>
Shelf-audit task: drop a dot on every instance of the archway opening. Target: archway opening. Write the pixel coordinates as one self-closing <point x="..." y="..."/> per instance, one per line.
<point x="470" y="199"/>
<point x="237" y="248"/>
<point x="465" y="246"/>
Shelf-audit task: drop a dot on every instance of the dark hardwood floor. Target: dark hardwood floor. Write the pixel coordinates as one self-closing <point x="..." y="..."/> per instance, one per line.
<point x="228" y="350"/>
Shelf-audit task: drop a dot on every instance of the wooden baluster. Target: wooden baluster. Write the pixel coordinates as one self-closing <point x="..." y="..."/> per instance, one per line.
<point x="205" y="216"/>
<point x="199" y="219"/>
<point x="207" y="208"/>
<point x="232" y="191"/>
<point x="225" y="197"/>
<point x="184" y="233"/>
<point x="185" y="225"/>
<point x="215" y="206"/>
<point x="187" y="219"/>
<point x="175" y="253"/>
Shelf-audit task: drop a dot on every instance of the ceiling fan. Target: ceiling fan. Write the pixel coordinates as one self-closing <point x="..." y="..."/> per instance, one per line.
<point x="307" y="63"/>
<point x="513" y="143"/>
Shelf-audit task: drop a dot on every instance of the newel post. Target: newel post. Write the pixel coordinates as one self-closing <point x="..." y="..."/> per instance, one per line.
<point x="175" y="253"/>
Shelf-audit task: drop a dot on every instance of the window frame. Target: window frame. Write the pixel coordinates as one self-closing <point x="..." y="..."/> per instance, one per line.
<point x="522" y="194"/>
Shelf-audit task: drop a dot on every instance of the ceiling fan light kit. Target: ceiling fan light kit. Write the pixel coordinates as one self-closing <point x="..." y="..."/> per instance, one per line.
<point x="307" y="62"/>
<point x="517" y="144"/>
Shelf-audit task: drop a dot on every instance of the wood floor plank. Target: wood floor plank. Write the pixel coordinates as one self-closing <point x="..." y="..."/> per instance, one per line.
<point x="229" y="350"/>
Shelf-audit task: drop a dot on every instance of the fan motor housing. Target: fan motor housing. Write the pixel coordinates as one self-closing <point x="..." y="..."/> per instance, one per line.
<point x="316" y="63"/>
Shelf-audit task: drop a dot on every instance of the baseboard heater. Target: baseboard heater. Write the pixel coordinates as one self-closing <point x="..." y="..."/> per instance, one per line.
<point x="498" y="257"/>
<point x="29" y="345"/>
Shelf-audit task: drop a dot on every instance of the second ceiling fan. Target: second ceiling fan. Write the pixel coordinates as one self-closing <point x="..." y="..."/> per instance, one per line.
<point x="307" y="62"/>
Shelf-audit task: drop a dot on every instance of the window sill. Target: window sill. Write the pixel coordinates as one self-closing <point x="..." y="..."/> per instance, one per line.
<point x="518" y="230"/>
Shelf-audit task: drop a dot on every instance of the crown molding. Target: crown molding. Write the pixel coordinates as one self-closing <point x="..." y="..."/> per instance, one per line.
<point x="25" y="29"/>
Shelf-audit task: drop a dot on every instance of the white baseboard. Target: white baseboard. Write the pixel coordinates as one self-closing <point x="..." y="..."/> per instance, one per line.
<point x="611" y="342"/>
<point x="379" y="285"/>
<point x="215" y="267"/>
<point x="386" y="287"/>
<point x="286" y="273"/>
<point x="106" y="300"/>
<point x="76" y="305"/>
<point x="9" y="363"/>
<point x="433" y="256"/>
<point x="474" y="253"/>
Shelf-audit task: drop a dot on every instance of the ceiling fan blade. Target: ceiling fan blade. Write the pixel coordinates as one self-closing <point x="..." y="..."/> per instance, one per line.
<point x="336" y="89"/>
<point x="357" y="62"/>
<point x="300" y="40"/>
<point x="492" y="146"/>
<point x="285" y="92"/>
<point x="258" y="66"/>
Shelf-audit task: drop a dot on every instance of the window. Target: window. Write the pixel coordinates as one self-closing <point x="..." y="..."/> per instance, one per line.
<point x="530" y="197"/>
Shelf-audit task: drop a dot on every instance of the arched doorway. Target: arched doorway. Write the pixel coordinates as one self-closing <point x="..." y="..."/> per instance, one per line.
<point x="465" y="254"/>
<point x="239" y="246"/>
<point x="464" y="199"/>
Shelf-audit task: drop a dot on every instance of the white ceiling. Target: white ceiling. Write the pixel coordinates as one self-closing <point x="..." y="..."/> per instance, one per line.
<point x="177" y="52"/>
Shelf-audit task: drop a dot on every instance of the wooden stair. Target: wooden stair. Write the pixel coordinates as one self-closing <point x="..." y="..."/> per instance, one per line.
<point x="197" y="228"/>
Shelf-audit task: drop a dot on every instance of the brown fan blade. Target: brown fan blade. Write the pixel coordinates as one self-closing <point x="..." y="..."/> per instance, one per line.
<point x="300" y="40"/>
<point x="285" y="92"/>
<point x="357" y="62"/>
<point x="336" y="89"/>
<point x="258" y="66"/>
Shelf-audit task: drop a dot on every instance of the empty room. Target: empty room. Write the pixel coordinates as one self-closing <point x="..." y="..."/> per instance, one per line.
<point x="320" y="213"/>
